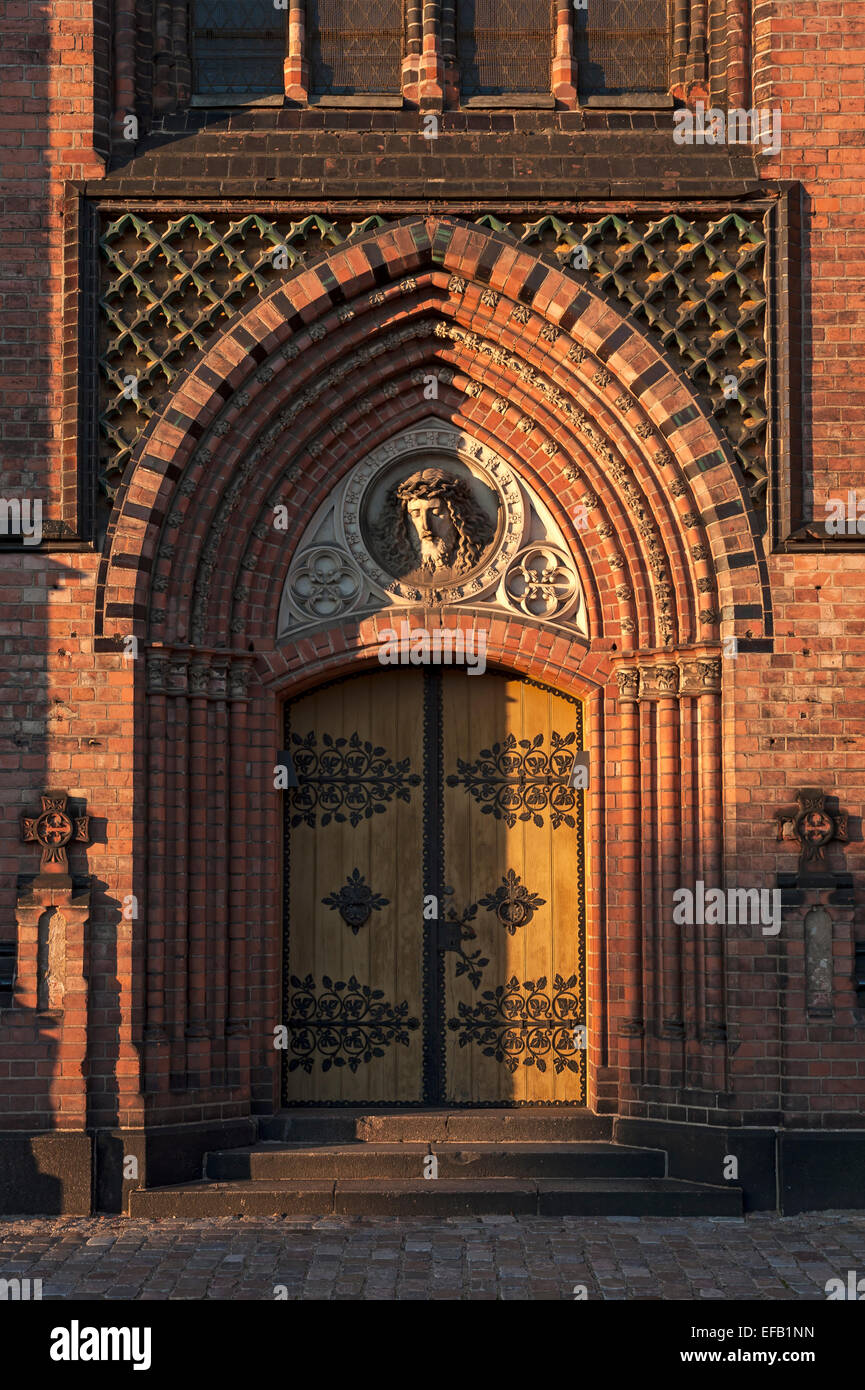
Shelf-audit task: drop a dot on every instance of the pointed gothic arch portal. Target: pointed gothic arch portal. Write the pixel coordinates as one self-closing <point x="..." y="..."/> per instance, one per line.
<point x="590" y="442"/>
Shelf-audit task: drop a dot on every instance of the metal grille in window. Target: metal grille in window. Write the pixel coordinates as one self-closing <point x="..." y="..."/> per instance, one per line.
<point x="238" y="47"/>
<point x="621" y="47"/>
<point x="504" y="46"/>
<point x="355" y="47"/>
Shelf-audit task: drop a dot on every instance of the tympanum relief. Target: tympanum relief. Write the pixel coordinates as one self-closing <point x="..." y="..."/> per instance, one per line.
<point x="432" y="519"/>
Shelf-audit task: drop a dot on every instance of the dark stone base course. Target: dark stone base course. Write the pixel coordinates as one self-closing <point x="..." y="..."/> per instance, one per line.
<point x="789" y="1171"/>
<point x="64" y="1173"/>
<point x="698" y="1152"/>
<point x="818" y="1172"/>
<point x="169" y="1154"/>
<point x="47" y="1174"/>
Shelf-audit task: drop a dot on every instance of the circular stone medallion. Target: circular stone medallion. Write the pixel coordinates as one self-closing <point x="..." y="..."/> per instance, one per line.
<point x="433" y="516"/>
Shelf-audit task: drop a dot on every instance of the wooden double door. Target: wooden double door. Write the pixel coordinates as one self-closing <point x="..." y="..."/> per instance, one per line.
<point x="434" y="893"/>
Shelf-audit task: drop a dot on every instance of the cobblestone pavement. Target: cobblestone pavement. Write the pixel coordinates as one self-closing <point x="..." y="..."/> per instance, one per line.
<point x="763" y="1257"/>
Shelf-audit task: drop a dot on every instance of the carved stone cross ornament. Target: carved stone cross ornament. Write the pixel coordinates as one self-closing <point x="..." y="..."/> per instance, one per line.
<point x="812" y="827"/>
<point x="54" y="828"/>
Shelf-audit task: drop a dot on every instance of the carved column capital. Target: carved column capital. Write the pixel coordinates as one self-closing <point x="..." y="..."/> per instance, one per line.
<point x="199" y="675"/>
<point x="659" y="682"/>
<point x="218" y="684"/>
<point x="177" y="678"/>
<point x="238" y="681"/>
<point x="701" y="676"/>
<point x="156" y="668"/>
<point x="628" y="681"/>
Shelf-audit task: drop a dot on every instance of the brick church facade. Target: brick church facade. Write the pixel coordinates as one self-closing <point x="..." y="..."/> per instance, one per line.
<point x="537" y="324"/>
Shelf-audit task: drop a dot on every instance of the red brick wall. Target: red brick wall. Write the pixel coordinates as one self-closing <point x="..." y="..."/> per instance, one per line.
<point x="59" y="713"/>
<point x="797" y="717"/>
<point x="791" y="718"/>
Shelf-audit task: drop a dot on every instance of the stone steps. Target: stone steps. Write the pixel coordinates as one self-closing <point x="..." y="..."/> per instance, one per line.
<point x="605" y="1196"/>
<point x="554" y="1161"/>
<point x="273" y="1162"/>
<point x="530" y="1124"/>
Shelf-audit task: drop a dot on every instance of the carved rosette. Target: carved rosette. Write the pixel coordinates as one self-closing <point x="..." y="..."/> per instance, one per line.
<point x="53" y="828"/>
<point x="812" y="826"/>
<point x="541" y="582"/>
<point x="325" y="584"/>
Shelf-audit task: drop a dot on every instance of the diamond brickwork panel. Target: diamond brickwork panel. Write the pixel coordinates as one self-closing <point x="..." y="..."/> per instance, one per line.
<point x="168" y="285"/>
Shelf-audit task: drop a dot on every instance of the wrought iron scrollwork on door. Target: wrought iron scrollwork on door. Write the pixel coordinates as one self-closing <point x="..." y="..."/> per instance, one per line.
<point x="460" y="929"/>
<point x="345" y="779"/>
<point x="525" y="1023"/>
<point x="346" y="1024"/>
<point x="521" y="780"/>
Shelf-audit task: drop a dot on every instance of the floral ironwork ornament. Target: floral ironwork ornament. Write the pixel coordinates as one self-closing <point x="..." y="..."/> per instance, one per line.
<point x="345" y="780"/>
<point x="520" y="780"/>
<point x="512" y="903"/>
<point x="347" y="1023"/>
<point x="529" y="1024"/>
<point x="355" y="902"/>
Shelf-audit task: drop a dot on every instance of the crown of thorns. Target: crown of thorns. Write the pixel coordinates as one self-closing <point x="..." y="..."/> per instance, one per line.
<point x="432" y="482"/>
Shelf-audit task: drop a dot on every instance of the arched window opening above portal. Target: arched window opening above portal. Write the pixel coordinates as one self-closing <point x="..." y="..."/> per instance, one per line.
<point x="504" y="47"/>
<point x="455" y="53"/>
<point x="238" y="48"/>
<point x="622" y="49"/>
<point x="355" y="48"/>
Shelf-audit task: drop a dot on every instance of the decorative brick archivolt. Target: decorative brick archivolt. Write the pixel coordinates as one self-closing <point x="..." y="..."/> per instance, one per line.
<point x="604" y="429"/>
<point x="302" y="388"/>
